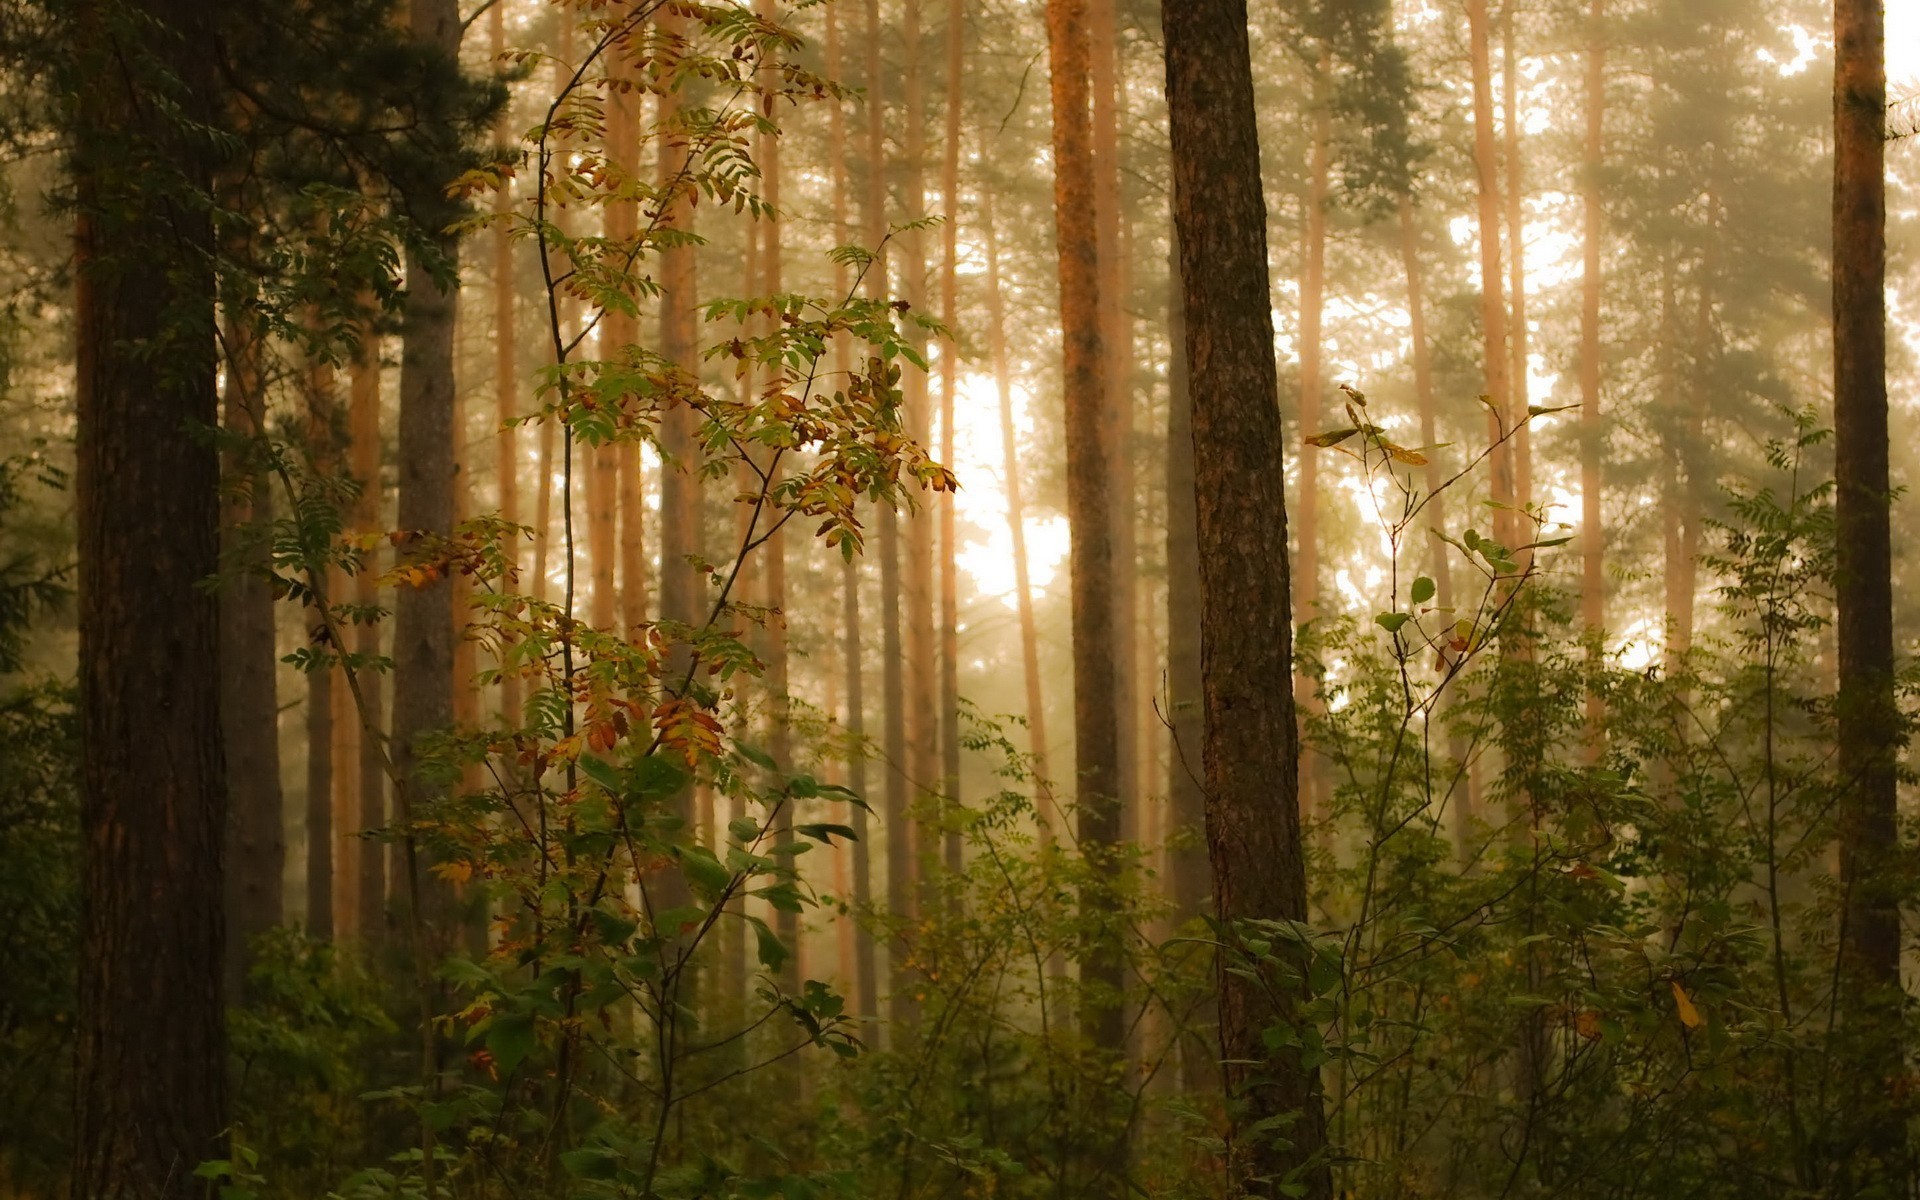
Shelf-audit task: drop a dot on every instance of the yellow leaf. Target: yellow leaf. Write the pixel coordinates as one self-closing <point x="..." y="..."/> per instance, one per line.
<point x="1689" y="1015"/>
<point x="456" y="871"/>
<point x="1586" y="1023"/>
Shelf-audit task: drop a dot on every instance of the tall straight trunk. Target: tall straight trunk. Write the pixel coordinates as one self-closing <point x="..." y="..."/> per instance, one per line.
<point x="423" y="633"/>
<point x="1870" y="733"/>
<point x="1313" y="296"/>
<point x="150" y="1071"/>
<point x="363" y="420"/>
<point x="1117" y="344"/>
<point x="681" y="587"/>
<point x="949" y="386"/>
<point x="322" y="748"/>
<point x="853" y="647"/>
<point x="899" y="831"/>
<point x="1252" y="748"/>
<point x="1096" y="720"/>
<point x="1189" y="874"/>
<point x="1017" y="523"/>
<point x="619" y="330"/>
<point x="1593" y="534"/>
<point x="562" y="76"/>
<point x="1493" y="307"/>
<point x="249" y="706"/>
<point x="923" y="705"/>
<point x="772" y="282"/>
<point x="506" y="368"/>
<point x="1516" y="256"/>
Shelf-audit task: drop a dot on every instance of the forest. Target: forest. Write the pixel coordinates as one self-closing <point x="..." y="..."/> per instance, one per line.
<point x="933" y="599"/>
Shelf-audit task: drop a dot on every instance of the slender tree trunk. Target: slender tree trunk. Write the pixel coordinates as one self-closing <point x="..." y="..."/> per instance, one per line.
<point x="1516" y="257"/>
<point x="249" y="704"/>
<point x="1493" y="308"/>
<point x="682" y="598"/>
<point x="322" y="748"/>
<point x="1116" y="344"/>
<point x="619" y="331"/>
<point x="1017" y="526"/>
<point x="506" y="367"/>
<point x="923" y="704"/>
<point x="150" y="1074"/>
<point x="1593" y="430"/>
<point x="949" y="387"/>
<point x="1870" y="728"/>
<point x="1188" y="872"/>
<point x="363" y="419"/>
<point x="1096" y="720"/>
<point x="1252" y="747"/>
<point x="1313" y="298"/>
<point x="899" y="832"/>
<point x="853" y="648"/>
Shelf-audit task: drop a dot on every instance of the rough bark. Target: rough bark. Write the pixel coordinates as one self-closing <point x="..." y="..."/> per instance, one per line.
<point x="150" y="1088"/>
<point x="1252" y="751"/>
<point x="1870" y="732"/>
<point x="1096" y="720"/>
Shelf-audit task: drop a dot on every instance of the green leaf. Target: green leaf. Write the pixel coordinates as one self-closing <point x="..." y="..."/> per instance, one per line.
<point x="1423" y="590"/>
<point x="771" y="949"/>
<point x="656" y="777"/>
<point x="703" y="870"/>
<point x="1331" y="438"/>
<point x="1392" y="621"/>
<point x="603" y="773"/>
<point x="826" y="833"/>
<point x="510" y="1039"/>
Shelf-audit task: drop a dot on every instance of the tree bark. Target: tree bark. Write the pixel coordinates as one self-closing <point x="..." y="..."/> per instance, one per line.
<point x="1516" y="258"/>
<point x="150" y="1084"/>
<point x="1493" y="308"/>
<point x="423" y="632"/>
<point x="363" y="419"/>
<point x="1593" y="535"/>
<point x="506" y="367"/>
<point x="1252" y="748"/>
<point x="1096" y="720"/>
<point x="249" y="703"/>
<point x="949" y="386"/>
<point x="322" y="742"/>
<point x="1870" y="727"/>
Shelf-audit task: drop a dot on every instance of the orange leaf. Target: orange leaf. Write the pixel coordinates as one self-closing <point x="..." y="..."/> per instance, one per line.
<point x="1689" y="1015"/>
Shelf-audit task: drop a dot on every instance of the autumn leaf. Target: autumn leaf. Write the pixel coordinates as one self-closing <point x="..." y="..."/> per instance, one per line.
<point x="457" y="871"/>
<point x="1586" y="1023"/>
<point x="1689" y="1015"/>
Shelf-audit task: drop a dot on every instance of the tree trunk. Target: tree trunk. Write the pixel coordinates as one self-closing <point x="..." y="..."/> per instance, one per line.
<point x="1313" y="295"/>
<point x="150" y="1083"/>
<point x="1493" y="308"/>
<point x="1117" y="427"/>
<point x="1096" y="721"/>
<point x="1017" y="526"/>
<point x="506" y="369"/>
<point x="249" y="704"/>
<point x="322" y="748"/>
<point x="1870" y="728"/>
<point x="853" y="647"/>
<point x="923" y="705"/>
<point x="363" y="419"/>
<point x="1593" y="535"/>
<point x="949" y="386"/>
<point x="1252" y="748"/>
<point x="1516" y="258"/>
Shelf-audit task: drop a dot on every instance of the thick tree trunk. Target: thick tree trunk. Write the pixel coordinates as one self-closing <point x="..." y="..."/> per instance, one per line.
<point x="150" y="1082"/>
<point x="423" y="633"/>
<point x="1870" y="733"/>
<point x="1593" y="535"/>
<point x="1017" y="527"/>
<point x="249" y="704"/>
<point x="1096" y="720"/>
<point x="1252" y="748"/>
